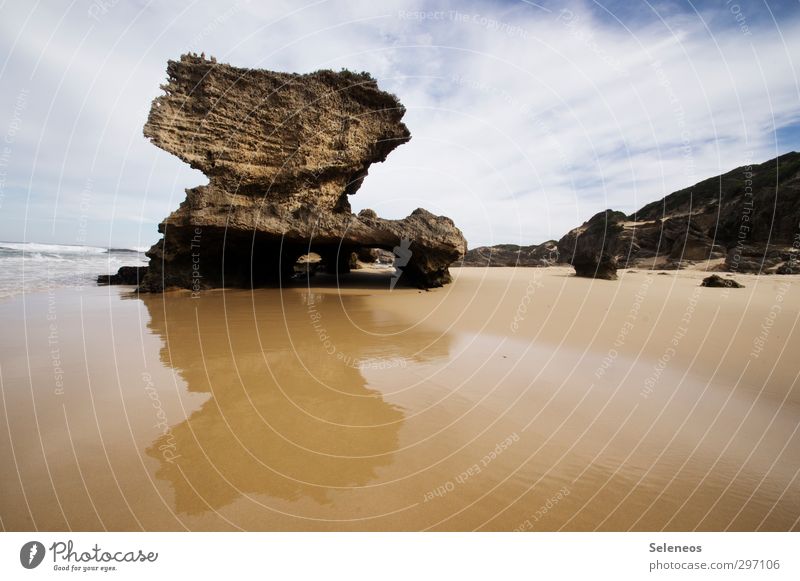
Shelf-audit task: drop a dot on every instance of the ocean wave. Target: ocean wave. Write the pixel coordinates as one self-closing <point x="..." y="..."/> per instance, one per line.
<point x="51" y="248"/>
<point x="35" y="249"/>
<point x="32" y="267"/>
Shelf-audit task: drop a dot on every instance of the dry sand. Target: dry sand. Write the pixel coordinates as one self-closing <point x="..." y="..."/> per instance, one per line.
<point x="511" y="399"/>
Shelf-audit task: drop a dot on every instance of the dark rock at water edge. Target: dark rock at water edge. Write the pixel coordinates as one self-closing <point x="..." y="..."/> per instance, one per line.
<point x="132" y="275"/>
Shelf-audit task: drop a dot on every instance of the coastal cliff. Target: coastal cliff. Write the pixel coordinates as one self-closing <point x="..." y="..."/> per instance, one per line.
<point x="536" y="255"/>
<point x="746" y="220"/>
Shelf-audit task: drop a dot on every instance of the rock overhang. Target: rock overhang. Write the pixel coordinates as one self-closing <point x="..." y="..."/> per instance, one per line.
<point x="283" y="152"/>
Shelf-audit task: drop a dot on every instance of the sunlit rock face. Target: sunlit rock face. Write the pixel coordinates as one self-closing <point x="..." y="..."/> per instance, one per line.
<point x="282" y="152"/>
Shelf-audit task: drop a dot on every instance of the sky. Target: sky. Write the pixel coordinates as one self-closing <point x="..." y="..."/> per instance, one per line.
<point x="526" y="117"/>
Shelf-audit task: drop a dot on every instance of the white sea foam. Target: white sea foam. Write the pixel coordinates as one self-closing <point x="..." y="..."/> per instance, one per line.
<point x="32" y="267"/>
<point x="33" y="247"/>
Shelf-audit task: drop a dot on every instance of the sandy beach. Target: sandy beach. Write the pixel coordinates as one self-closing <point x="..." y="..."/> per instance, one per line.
<point x="513" y="399"/>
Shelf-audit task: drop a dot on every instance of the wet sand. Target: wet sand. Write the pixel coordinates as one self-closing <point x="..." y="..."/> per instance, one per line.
<point x="522" y="399"/>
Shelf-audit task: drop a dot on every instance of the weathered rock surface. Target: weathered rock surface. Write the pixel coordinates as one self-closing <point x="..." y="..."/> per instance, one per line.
<point x="717" y="281"/>
<point x="537" y="255"/>
<point x="592" y="248"/>
<point x="375" y="256"/>
<point x="749" y="216"/>
<point x="282" y="153"/>
<point x="747" y="219"/>
<point x="125" y="275"/>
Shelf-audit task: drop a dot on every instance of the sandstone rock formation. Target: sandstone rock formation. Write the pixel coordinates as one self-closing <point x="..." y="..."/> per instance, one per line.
<point x="537" y="255"/>
<point x="282" y="153"/>
<point x="747" y="220"/>
<point x="375" y="256"/>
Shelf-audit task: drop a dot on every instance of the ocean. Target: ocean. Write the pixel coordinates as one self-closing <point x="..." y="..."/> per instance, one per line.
<point x="27" y="267"/>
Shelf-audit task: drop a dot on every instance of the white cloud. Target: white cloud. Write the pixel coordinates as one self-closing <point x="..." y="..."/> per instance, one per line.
<point x="525" y="121"/>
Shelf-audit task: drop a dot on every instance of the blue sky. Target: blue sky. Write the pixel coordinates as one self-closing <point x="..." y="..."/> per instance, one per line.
<point x="526" y="117"/>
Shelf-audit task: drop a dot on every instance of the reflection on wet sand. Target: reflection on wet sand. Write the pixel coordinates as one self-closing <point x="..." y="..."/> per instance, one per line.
<point x="290" y="414"/>
<point x="365" y="409"/>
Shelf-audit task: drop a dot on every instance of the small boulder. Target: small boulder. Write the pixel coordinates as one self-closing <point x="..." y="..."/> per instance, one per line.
<point x="717" y="281"/>
<point x="125" y="275"/>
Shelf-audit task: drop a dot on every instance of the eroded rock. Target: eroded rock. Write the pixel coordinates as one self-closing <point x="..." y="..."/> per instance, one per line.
<point x="282" y="153"/>
<point x="592" y="248"/>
